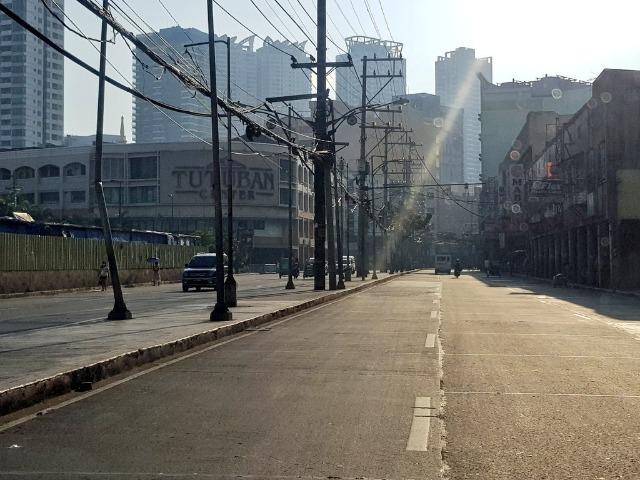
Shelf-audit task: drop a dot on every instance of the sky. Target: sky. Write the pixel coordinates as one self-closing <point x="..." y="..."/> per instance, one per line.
<point x="526" y="39"/>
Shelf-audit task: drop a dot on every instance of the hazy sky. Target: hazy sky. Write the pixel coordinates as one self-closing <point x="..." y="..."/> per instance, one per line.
<point x="526" y="39"/>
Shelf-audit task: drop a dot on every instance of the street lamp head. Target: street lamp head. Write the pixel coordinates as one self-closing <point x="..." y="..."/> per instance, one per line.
<point x="400" y="101"/>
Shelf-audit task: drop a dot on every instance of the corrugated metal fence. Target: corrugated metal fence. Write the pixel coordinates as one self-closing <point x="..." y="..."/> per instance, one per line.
<point x="23" y="253"/>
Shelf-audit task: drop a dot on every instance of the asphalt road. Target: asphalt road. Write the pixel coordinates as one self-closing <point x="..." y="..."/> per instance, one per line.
<point x="424" y="377"/>
<point x="348" y="390"/>
<point x="25" y="314"/>
<point x="540" y="383"/>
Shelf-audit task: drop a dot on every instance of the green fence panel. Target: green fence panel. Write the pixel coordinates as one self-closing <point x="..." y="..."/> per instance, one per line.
<point x="35" y="253"/>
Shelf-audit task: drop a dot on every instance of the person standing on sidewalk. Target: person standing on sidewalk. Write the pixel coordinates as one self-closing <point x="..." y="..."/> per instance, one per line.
<point x="156" y="273"/>
<point x="103" y="274"/>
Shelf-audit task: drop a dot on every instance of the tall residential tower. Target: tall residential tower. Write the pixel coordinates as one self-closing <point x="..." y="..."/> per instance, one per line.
<point x="31" y="77"/>
<point x="458" y="85"/>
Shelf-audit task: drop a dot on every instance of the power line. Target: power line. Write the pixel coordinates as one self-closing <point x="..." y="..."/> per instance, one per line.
<point x="373" y="20"/>
<point x="384" y="15"/>
<point x="276" y="28"/>
<point x="364" y="32"/>
<point x="304" y="32"/>
<point x="266" y="42"/>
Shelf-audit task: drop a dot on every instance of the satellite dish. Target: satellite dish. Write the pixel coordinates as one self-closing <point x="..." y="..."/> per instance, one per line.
<point x="352" y="120"/>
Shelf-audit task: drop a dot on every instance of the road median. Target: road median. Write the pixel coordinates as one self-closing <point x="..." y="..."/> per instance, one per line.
<point x="31" y="393"/>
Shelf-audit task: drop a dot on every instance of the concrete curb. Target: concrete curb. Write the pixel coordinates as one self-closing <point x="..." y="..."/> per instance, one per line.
<point x="38" y="391"/>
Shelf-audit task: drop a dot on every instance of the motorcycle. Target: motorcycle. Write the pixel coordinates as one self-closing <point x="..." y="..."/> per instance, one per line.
<point x="457" y="270"/>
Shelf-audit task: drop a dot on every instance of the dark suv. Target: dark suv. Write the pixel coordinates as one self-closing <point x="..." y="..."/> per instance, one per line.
<point x="200" y="272"/>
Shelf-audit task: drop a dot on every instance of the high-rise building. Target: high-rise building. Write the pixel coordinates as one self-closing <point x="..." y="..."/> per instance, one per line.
<point x="151" y="124"/>
<point x="458" y="86"/>
<point x="505" y="108"/>
<point x="348" y="82"/>
<point x="31" y="77"/>
<point x="255" y="75"/>
<point x="449" y="122"/>
<point x="276" y="78"/>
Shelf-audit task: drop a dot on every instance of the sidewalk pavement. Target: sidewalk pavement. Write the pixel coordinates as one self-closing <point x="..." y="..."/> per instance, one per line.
<point x="90" y="351"/>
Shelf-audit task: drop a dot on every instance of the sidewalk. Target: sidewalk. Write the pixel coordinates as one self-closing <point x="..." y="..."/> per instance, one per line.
<point x="29" y="357"/>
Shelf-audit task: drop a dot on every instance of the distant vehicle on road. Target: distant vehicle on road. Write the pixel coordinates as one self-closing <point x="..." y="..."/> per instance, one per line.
<point x="270" y="268"/>
<point x="443" y="264"/>
<point x="200" y="272"/>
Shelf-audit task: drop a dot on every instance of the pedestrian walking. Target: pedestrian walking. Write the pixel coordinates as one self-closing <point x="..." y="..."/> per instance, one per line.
<point x="487" y="266"/>
<point x="103" y="274"/>
<point x="155" y="268"/>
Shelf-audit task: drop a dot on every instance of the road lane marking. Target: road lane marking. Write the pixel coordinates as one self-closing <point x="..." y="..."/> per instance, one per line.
<point x="581" y="315"/>
<point x="434" y="315"/>
<point x="431" y="341"/>
<point x="538" y="334"/>
<point x="420" y="425"/>
<point x="541" y="355"/>
<point x="544" y="394"/>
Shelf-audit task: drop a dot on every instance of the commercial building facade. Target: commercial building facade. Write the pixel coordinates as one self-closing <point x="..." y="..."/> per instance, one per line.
<point x="31" y="77"/>
<point x="505" y="107"/>
<point x="458" y="86"/>
<point x="578" y="202"/>
<point x="168" y="187"/>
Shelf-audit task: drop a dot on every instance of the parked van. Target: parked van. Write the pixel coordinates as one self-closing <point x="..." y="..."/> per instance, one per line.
<point x="443" y="264"/>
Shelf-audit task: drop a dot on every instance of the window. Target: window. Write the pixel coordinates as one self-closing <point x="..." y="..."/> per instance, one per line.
<point x="284" y="170"/>
<point x="24" y="172"/>
<point x="113" y="168"/>
<point x="79" y="196"/>
<point x="112" y="195"/>
<point x="5" y="174"/>
<point x="50" y="197"/>
<point x="75" y="169"/>
<point x="142" y="194"/>
<point x="284" y="197"/>
<point x="48" y="171"/>
<point x="258" y="225"/>
<point x="143" y="168"/>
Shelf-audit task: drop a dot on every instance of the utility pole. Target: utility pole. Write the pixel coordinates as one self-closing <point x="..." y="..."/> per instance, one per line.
<point x="321" y="163"/>
<point x="348" y="222"/>
<point x="338" y="210"/>
<point x="220" y="310"/>
<point x="290" y="285"/>
<point x="331" y="245"/>
<point x="362" y="163"/>
<point x="362" y="171"/>
<point x="319" y="160"/>
<point x="230" y="284"/>
<point x="120" y="310"/>
<point x="374" y="276"/>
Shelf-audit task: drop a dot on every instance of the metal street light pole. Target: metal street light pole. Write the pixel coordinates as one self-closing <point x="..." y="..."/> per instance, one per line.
<point x="220" y="310"/>
<point x="362" y="167"/>
<point x="348" y="222"/>
<point x="338" y="210"/>
<point x="171" y="196"/>
<point x="230" y="284"/>
<point x="290" y="285"/>
<point x="374" y="276"/>
<point x="120" y="310"/>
